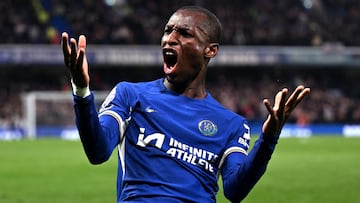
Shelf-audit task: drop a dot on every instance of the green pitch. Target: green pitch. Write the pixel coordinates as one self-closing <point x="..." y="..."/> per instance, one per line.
<point x="303" y="170"/>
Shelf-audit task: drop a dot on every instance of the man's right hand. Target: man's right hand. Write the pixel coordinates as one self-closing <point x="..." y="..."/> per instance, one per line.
<point x="75" y="60"/>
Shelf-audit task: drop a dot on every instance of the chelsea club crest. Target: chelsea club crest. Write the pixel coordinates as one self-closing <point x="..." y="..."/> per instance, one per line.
<point x="207" y="127"/>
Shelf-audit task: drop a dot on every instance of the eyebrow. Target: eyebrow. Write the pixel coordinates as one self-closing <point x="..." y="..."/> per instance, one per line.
<point x="186" y="27"/>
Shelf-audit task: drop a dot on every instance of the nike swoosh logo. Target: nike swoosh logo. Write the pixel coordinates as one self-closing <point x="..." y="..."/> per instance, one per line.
<point x="150" y="110"/>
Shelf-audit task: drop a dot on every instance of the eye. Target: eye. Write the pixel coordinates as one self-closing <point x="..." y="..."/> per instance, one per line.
<point x="168" y="30"/>
<point x="185" y="33"/>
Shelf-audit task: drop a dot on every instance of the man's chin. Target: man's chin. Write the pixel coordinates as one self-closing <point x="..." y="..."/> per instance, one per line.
<point x="170" y="79"/>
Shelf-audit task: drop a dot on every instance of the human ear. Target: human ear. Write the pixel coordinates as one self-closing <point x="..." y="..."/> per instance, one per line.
<point x="211" y="50"/>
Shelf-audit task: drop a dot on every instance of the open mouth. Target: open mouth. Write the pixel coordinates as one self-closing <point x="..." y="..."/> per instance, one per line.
<point x="170" y="57"/>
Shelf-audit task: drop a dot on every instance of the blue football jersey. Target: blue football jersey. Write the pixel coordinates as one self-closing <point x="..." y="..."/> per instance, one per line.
<point x="171" y="147"/>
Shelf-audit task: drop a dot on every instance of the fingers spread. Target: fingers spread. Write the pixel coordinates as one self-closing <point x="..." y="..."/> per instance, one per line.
<point x="65" y="47"/>
<point x="293" y="97"/>
<point x="82" y="42"/>
<point x="80" y="60"/>
<point x="303" y="93"/>
<point x="296" y="97"/>
<point x="280" y="112"/>
<point x="268" y="107"/>
<point x="279" y="103"/>
<point x="82" y="47"/>
<point x="281" y="100"/>
<point x="73" y="52"/>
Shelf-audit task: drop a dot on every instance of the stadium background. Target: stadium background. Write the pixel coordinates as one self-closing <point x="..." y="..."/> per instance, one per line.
<point x="266" y="45"/>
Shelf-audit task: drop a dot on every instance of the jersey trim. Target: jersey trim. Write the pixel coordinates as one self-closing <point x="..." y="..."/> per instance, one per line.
<point x="122" y="127"/>
<point x="229" y="151"/>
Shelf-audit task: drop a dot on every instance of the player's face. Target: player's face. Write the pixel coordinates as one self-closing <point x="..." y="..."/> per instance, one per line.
<point x="183" y="45"/>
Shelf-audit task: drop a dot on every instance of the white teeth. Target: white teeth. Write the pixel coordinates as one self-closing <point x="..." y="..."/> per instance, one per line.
<point x="169" y="53"/>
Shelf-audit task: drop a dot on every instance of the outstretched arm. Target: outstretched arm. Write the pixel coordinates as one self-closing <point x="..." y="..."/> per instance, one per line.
<point x="241" y="172"/>
<point x="98" y="139"/>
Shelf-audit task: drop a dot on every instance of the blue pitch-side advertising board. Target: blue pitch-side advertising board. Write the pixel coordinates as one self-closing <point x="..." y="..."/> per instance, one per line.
<point x="289" y="130"/>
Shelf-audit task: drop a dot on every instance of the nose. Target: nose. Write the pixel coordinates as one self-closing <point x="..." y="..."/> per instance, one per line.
<point x="170" y="39"/>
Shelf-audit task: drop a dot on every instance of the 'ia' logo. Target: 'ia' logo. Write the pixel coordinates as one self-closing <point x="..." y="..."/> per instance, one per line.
<point x="207" y="128"/>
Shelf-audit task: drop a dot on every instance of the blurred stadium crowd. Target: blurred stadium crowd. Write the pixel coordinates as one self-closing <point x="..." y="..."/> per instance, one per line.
<point x="259" y="22"/>
<point x="283" y="22"/>
<point x="334" y="97"/>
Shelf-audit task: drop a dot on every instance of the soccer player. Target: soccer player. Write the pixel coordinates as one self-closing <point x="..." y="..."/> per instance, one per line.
<point x="173" y="138"/>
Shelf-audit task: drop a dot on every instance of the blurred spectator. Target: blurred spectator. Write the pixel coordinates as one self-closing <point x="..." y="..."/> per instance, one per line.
<point x="259" y="22"/>
<point x="282" y="22"/>
<point x="333" y="99"/>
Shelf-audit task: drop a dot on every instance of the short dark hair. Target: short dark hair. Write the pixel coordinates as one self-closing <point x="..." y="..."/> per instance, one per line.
<point x="212" y="24"/>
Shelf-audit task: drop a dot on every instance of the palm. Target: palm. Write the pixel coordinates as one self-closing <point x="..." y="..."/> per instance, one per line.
<point x="281" y="111"/>
<point x="75" y="60"/>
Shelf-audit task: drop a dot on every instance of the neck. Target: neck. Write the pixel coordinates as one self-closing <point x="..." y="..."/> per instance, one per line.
<point x="195" y="91"/>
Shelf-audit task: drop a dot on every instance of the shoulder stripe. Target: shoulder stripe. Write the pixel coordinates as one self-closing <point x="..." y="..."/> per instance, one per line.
<point x="122" y="124"/>
<point x="229" y="151"/>
<point x="122" y="127"/>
